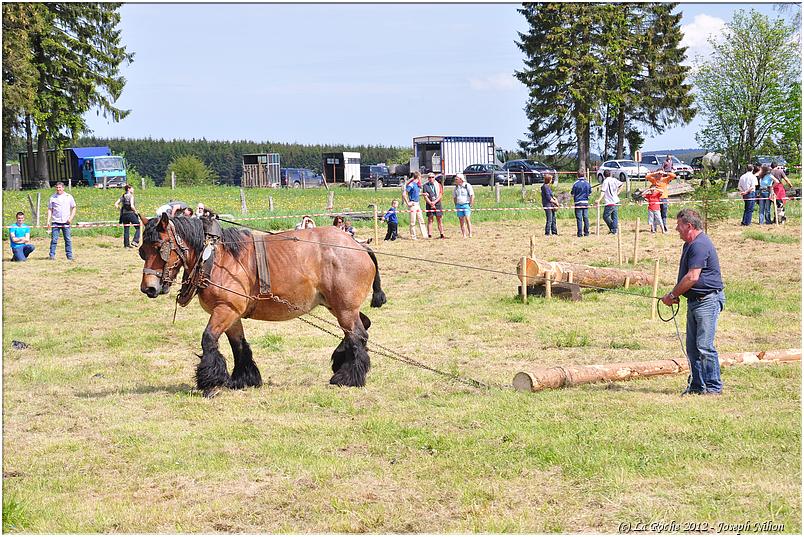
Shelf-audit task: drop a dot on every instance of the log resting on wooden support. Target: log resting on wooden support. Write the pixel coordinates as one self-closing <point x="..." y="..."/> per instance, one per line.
<point x="536" y="270"/>
<point x="565" y="376"/>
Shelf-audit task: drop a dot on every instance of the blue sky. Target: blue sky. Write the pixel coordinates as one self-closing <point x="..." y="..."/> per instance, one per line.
<point x="340" y="73"/>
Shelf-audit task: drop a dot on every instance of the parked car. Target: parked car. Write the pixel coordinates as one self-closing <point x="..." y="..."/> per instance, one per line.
<point x="768" y="160"/>
<point x="379" y="173"/>
<point x="293" y="177"/>
<point x="622" y="170"/>
<point x="654" y="162"/>
<point x="532" y="171"/>
<point x="480" y="174"/>
<point x="697" y="164"/>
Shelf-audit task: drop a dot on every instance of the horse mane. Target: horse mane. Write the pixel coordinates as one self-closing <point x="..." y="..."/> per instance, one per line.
<point x="192" y="231"/>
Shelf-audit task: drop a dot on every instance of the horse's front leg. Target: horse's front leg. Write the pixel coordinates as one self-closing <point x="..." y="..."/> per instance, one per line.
<point x="211" y="373"/>
<point x="245" y="372"/>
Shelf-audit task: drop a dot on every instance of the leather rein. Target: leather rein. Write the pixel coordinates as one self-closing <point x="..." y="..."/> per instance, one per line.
<point x="166" y="246"/>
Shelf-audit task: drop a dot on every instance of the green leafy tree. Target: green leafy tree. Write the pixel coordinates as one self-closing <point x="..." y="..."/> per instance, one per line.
<point x="190" y="171"/>
<point x="75" y="52"/>
<point x="744" y="88"/>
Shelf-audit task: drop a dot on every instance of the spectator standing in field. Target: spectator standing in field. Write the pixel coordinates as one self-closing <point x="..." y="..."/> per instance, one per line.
<point x="700" y="281"/>
<point x="778" y="173"/>
<point x="60" y="214"/>
<point x="464" y="198"/>
<point x="747" y="190"/>
<point x="19" y="234"/>
<point x="393" y="221"/>
<point x="433" y="192"/>
<point x="667" y="165"/>
<point x="609" y="191"/>
<point x="411" y="196"/>
<point x="779" y="197"/>
<point x="128" y="216"/>
<point x="653" y="196"/>
<point x="661" y="180"/>
<point x="581" y="190"/>
<point x="765" y="184"/>
<point x="550" y="204"/>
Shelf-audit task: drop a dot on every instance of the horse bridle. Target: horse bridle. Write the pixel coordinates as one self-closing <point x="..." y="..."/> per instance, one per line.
<point x="172" y="243"/>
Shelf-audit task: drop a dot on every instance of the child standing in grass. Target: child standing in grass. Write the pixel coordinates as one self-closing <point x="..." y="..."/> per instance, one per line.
<point x="653" y="195"/>
<point x="393" y="221"/>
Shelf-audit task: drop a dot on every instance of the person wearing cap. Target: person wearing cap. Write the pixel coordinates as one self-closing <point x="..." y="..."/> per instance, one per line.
<point x="464" y="198"/>
<point x="411" y="196"/>
<point x="433" y="192"/>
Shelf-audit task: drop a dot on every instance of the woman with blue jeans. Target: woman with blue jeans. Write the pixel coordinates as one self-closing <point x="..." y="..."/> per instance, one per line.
<point x="550" y="204"/>
<point x="764" y="195"/>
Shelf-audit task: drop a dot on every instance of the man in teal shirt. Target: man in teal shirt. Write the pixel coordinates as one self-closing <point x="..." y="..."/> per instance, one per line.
<point x="20" y="237"/>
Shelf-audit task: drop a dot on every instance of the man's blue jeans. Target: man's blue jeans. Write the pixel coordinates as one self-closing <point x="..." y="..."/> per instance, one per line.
<point x="54" y="240"/>
<point x="610" y="217"/>
<point x="582" y="220"/>
<point x="748" y="210"/>
<point x="764" y="207"/>
<point x="21" y="253"/>
<point x="702" y="318"/>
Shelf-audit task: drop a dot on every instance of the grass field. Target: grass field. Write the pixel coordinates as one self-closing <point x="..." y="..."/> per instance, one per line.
<point x="103" y="431"/>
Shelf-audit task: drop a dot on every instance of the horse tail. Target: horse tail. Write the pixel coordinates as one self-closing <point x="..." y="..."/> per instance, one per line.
<point x="378" y="296"/>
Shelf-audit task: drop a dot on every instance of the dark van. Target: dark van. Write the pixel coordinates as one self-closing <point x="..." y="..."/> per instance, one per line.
<point x="295" y="177"/>
<point x="377" y="173"/>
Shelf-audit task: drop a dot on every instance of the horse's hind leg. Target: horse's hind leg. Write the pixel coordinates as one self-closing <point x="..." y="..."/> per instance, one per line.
<point x="354" y="359"/>
<point x="211" y="373"/>
<point x="245" y="372"/>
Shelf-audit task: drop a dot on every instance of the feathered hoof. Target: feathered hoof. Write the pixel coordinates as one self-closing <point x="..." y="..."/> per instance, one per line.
<point x="209" y="393"/>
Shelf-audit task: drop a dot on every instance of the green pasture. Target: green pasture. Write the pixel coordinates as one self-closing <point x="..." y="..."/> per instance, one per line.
<point x="103" y="431"/>
<point x="97" y="205"/>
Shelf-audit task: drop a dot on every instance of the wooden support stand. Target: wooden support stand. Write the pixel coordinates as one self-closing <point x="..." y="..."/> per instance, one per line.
<point x="562" y="290"/>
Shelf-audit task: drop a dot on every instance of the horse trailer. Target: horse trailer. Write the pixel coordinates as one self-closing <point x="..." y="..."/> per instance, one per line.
<point x="260" y="170"/>
<point x="343" y="167"/>
<point x="450" y="155"/>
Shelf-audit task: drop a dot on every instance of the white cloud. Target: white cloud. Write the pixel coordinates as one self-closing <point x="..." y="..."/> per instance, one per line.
<point x="697" y="34"/>
<point x="495" y="82"/>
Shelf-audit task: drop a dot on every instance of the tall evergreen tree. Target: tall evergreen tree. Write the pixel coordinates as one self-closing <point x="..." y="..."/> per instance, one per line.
<point x="562" y="66"/>
<point x="77" y="54"/>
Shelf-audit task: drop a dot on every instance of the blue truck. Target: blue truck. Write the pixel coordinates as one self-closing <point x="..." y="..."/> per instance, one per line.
<point x="91" y="166"/>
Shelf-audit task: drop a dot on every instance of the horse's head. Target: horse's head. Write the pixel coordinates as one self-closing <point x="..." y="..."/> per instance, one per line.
<point x="164" y="253"/>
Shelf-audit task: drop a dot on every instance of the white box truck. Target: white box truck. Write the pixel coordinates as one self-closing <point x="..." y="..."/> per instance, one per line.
<point x="449" y="155"/>
<point x="342" y="167"/>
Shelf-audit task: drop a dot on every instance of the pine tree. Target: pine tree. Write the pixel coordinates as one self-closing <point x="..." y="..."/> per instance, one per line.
<point x="562" y="66"/>
<point x="77" y="54"/>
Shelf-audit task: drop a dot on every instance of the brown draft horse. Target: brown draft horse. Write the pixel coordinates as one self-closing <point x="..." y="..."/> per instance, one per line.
<point x="331" y="270"/>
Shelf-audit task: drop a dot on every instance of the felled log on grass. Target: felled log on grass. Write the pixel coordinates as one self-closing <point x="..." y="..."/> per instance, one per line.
<point x="583" y="275"/>
<point x="560" y="377"/>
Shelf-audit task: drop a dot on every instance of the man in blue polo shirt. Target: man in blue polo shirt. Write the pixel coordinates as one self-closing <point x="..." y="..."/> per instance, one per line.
<point x="20" y="236"/>
<point x="699" y="280"/>
<point x="581" y="189"/>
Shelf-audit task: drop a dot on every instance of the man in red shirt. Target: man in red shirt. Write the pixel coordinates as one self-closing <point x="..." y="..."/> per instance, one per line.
<point x="654" y="195"/>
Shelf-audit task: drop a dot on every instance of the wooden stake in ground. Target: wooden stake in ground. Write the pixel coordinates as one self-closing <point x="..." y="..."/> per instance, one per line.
<point x="533" y="245"/>
<point x="548" y="285"/>
<point x="598" y="220"/>
<point x="523" y="289"/>
<point x="619" y="247"/>
<point x="173" y="180"/>
<point x="497" y="189"/>
<point x="376" y="227"/>
<point x="271" y="203"/>
<point x="243" y="208"/>
<point x="566" y="376"/>
<point x="636" y="241"/>
<point x="655" y="295"/>
<point x="142" y="182"/>
<point x="330" y="200"/>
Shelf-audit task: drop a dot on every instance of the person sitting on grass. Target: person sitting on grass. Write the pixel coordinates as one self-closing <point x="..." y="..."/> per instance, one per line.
<point x="20" y="236"/>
